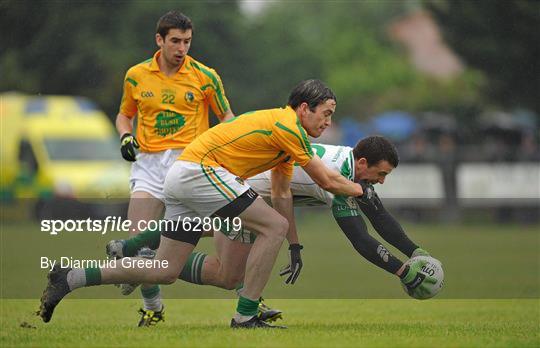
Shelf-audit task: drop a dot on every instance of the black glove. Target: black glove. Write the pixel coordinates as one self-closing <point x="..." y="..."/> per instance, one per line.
<point x="369" y="193"/>
<point x="369" y="199"/>
<point x="128" y="146"/>
<point x="295" y="265"/>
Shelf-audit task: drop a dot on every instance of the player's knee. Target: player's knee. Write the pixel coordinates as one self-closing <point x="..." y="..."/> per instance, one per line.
<point x="232" y="281"/>
<point x="281" y="227"/>
<point x="276" y="229"/>
<point x="167" y="277"/>
<point x="229" y="284"/>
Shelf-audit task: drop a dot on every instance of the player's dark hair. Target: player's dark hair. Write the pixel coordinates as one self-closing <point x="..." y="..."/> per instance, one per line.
<point x="313" y="92"/>
<point x="375" y="149"/>
<point x="173" y="20"/>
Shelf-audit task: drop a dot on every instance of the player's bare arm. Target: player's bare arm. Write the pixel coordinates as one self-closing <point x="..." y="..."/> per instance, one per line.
<point x="330" y="180"/>
<point x="124" y="124"/>
<point x="282" y="201"/>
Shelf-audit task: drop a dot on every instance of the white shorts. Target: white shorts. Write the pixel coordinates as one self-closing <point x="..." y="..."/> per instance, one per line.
<point x="149" y="171"/>
<point x="193" y="190"/>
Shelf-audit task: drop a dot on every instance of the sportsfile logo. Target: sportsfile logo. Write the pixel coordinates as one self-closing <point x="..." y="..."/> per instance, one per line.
<point x="118" y="224"/>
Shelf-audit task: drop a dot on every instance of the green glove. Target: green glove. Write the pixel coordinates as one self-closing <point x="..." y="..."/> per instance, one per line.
<point x="419" y="252"/>
<point x="416" y="282"/>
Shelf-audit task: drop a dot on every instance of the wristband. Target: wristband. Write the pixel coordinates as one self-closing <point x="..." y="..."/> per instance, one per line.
<point x="296" y="247"/>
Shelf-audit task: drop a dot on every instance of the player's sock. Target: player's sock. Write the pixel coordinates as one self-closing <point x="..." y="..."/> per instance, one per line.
<point x="151" y="298"/>
<point x="148" y="238"/>
<point x="239" y="289"/>
<point x="246" y="309"/>
<point x="79" y="277"/>
<point x="192" y="271"/>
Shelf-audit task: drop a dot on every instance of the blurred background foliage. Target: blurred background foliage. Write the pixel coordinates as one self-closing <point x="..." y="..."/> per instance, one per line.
<point x="85" y="47"/>
<point x="499" y="38"/>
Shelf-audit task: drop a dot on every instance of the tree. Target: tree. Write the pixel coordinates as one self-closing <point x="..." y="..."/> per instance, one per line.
<point x="85" y="47"/>
<point x="346" y="44"/>
<point x="499" y="38"/>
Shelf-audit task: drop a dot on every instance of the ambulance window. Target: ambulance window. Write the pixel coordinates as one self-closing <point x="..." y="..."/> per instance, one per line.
<point x="35" y="106"/>
<point x="27" y="158"/>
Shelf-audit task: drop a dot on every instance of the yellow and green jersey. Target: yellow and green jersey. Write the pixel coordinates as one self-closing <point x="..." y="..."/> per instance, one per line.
<point x="171" y="111"/>
<point x="253" y="143"/>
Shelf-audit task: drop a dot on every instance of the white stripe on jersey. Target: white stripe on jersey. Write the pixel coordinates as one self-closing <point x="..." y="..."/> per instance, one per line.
<point x="304" y="189"/>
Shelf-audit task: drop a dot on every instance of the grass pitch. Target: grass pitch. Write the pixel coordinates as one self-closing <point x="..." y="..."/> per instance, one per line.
<point x="491" y="296"/>
<point x="484" y="261"/>
<point x="312" y="323"/>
